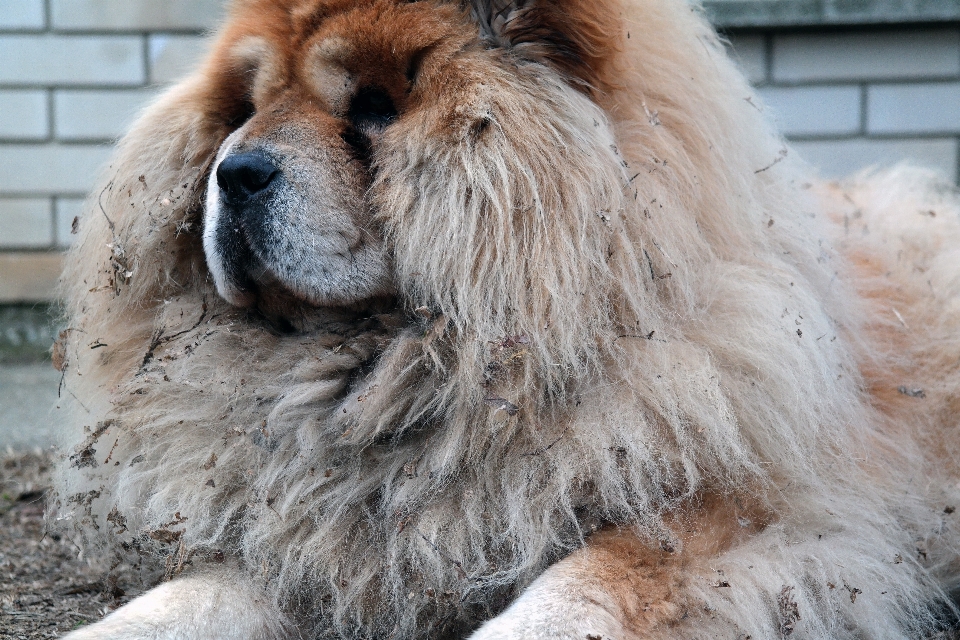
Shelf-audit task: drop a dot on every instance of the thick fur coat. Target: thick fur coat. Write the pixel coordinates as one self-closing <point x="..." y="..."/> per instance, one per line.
<point x="615" y="301"/>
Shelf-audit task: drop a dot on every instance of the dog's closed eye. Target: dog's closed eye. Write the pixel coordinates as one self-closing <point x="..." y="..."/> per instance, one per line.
<point x="371" y="110"/>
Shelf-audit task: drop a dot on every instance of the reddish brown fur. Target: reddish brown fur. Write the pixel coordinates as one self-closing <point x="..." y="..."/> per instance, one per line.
<point x="641" y="583"/>
<point x="582" y="47"/>
<point x="390" y="38"/>
<point x="900" y="337"/>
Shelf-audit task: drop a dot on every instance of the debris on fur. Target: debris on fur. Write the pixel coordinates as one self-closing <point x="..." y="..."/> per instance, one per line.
<point x="913" y="392"/>
<point x="84" y="455"/>
<point x="789" y="611"/>
<point x="854" y="592"/>
<point x="45" y="589"/>
<point x="501" y="404"/>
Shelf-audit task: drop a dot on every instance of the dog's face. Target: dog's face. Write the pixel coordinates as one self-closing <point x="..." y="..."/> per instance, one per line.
<point x="287" y="202"/>
<point x="290" y="203"/>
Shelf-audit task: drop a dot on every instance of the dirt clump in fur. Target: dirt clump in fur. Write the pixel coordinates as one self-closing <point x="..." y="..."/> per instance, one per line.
<point x="46" y="590"/>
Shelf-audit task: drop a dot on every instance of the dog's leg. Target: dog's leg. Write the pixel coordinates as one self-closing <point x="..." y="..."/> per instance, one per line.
<point x="581" y="597"/>
<point x="214" y="605"/>
<point x="726" y="579"/>
<point x="559" y="605"/>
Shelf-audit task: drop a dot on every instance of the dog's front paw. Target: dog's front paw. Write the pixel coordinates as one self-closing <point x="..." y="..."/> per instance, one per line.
<point x="557" y="606"/>
<point x="219" y="605"/>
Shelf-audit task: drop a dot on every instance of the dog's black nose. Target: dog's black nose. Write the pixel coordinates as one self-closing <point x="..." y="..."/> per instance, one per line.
<point x="243" y="175"/>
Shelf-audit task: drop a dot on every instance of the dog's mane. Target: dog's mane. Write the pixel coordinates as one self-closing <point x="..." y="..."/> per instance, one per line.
<point x="664" y="329"/>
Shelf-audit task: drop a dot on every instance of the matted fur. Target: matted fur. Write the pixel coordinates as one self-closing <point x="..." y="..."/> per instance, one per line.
<point x="630" y="299"/>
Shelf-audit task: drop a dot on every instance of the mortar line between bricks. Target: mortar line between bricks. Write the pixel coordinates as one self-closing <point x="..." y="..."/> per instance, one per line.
<point x="7" y="199"/>
<point x="23" y="31"/>
<point x="79" y="87"/>
<point x="101" y="89"/>
<point x="768" y="58"/>
<point x="50" y="141"/>
<point x="35" y="31"/>
<point x="834" y="82"/>
<point x="878" y="137"/>
<point x="145" y="37"/>
<point x="47" y="15"/>
<point x="98" y="142"/>
<point x="52" y="203"/>
<point x="133" y="31"/>
<point x="54" y="35"/>
<point x="79" y="141"/>
<point x="956" y="160"/>
<point x="56" y="227"/>
<point x="864" y="113"/>
<point x="51" y="115"/>
<point x="70" y="195"/>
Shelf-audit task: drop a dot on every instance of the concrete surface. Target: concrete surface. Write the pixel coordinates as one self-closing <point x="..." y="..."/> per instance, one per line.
<point x="28" y="381"/>
<point x="28" y="405"/>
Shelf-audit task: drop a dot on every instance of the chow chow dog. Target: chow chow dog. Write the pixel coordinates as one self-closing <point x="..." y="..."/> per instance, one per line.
<point x="506" y="319"/>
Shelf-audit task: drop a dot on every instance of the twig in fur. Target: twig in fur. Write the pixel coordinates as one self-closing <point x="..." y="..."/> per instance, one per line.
<point x="113" y="227"/>
<point x="160" y="339"/>
<point x="780" y="156"/>
<point x="648" y="336"/>
<point x="79" y="401"/>
<point x="653" y="274"/>
<point x="542" y="450"/>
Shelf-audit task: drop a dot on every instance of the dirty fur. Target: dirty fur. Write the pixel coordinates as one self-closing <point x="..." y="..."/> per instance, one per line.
<point x="616" y="292"/>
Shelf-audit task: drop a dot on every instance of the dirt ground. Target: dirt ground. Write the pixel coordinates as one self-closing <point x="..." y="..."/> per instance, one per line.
<point x="45" y="589"/>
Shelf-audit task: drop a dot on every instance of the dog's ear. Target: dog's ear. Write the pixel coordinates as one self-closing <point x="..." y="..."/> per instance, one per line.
<point x="493" y="16"/>
<point x="577" y="37"/>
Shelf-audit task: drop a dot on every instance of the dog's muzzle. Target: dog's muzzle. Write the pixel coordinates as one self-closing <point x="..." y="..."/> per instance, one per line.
<point x="237" y="208"/>
<point x="243" y="177"/>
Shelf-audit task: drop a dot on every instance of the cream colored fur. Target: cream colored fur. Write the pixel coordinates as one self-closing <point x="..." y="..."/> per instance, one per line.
<point x="672" y="312"/>
<point x="213" y="605"/>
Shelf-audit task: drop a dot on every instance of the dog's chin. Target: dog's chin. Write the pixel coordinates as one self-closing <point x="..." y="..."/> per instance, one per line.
<point x="265" y="296"/>
<point x="291" y="316"/>
<point x="238" y="296"/>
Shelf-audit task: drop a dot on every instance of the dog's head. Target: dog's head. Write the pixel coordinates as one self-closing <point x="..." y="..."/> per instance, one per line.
<point x="353" y="119"/>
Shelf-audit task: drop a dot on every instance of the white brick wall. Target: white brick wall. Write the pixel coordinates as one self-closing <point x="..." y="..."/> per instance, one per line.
<point x="49" y="169"/>
<point x="22" y="14"/>
<point x="848" y="100"/>
<point x="96" y="114"/>
<point x="134" y="15"/>
<point x="24" y="114"/>
<point x="840" y="157"/>
<point x="172" y="56"/>
<point x="43" y="60"/>
<point x="866" y="56"/>
<point x="73" y="76"/>
<point x="27" y="223"/>
<point x="815" y="110"/>
<point x="919" y="108"/>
